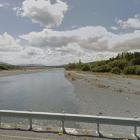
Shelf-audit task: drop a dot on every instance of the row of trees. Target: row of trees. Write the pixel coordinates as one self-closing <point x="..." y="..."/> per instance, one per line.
<point x="127" y="63"/>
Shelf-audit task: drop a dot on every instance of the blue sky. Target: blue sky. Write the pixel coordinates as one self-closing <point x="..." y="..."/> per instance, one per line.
<point x="52" y="37"/>
<point x="80" y="13"/>
<point x="100" y="12"/>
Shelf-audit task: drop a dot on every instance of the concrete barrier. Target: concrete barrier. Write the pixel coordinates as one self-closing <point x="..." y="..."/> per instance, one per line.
<point x="99" y="120"/>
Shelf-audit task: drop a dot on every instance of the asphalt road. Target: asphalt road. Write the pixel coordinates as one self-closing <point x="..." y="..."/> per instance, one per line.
<point x="23" y="135"/>
<point x="28" y="135"/>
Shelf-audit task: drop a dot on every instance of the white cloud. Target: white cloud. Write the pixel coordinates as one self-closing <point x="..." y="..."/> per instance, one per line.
<point x="4" y="5"/>
<point x="94" y="38"/>
<point x="133" y="23"/>
<point x="114" y="28"/>
<point x="8" y="43"/>
<point x="86" y="37"/>
<point x="1" y="5"/>
<point x="126" y="42"/>
<point x="53" y="47"/>
<point x="60" y="47"/>
<point x="43" y="11"/>
<point x="14" y="52"/>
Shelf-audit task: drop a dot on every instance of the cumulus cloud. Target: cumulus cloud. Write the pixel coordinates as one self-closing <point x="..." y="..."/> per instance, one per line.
<point x="85" y="37"/>
<point x="133" y="23"/>
<point x="43" y="12"/>
<point x="61" y="47"/>
<point x="52" y="47"/>
<point x="95" y="38"/>
<point x="14" y="52"/>
<point x="8" y="43"/>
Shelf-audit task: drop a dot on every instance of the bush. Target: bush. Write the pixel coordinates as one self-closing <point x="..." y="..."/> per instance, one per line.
<point x="100" y="63"/>
<point x="118" y="63"/>
<point x="104" y="68"/>
<point x="74" y="66"/>
<point x="71" y="66"/>
<point x="4" y="67"/>
<point x="137" y="70"/>
<point x="127" y="62"/>
<point x="129" y="70"/>
<point x="132" y="70"/>
<point x="86" y="68"/>
<point x="116" y="70"/>
<point x="135" y="61"/>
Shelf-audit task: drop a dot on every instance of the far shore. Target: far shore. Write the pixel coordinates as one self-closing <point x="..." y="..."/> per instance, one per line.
<point x="4" y="73"/>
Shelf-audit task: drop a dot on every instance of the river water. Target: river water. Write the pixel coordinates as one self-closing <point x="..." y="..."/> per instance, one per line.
<point x="47" y="91"/>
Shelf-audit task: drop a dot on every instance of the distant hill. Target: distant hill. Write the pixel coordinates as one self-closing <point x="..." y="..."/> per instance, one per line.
<point x="6" y="66"/>
<point x="32" y="65"/>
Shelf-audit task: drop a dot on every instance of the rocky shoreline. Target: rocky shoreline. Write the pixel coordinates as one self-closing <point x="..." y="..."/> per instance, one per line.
<point x="106" y="94"/>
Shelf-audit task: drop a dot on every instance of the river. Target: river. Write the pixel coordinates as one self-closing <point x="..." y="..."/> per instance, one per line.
<point x="41" y="91"/>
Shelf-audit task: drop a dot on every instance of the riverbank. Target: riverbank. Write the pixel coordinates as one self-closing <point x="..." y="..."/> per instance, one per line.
<point x="19" y="71"/>
<point x="106" y="94"/>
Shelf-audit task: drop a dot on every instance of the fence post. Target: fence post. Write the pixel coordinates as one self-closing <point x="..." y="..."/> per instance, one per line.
<point x="98" y="130"/>
<point x="0" y="121"/>
<point x="63" y="127"/>
<point x="135" y="132"/>
<point x="30" y="121"/>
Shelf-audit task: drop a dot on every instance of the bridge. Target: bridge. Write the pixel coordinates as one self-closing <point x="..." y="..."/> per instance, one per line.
<point x="62" y="117"/>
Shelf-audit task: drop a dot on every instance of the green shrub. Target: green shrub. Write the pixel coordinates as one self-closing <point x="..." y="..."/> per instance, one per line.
<point x="86" y="67"/>
<point x="104" y="68"/>
<point x="116" y="70"/>
<point x="118" y="63"/>
<point x="4" y="67"/>
<point x="74" y="66"/>
<point x="100" y="63"/>
<point x="132" y="70"/>
<point x="137" y="70"/>
<point x="135" y="61"/>
<point x="71" y="66"/>
<point x="7" y="66"/>
<point x="129" y="70"/>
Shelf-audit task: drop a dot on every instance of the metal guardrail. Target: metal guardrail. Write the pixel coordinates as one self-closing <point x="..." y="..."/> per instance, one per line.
<point x="134" y="122"/>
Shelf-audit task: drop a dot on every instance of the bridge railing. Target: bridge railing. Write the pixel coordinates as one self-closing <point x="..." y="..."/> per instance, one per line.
<point x="99" y="120"/>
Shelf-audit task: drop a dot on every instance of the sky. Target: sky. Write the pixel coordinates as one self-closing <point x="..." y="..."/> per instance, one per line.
<point x="56" y="32"/>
